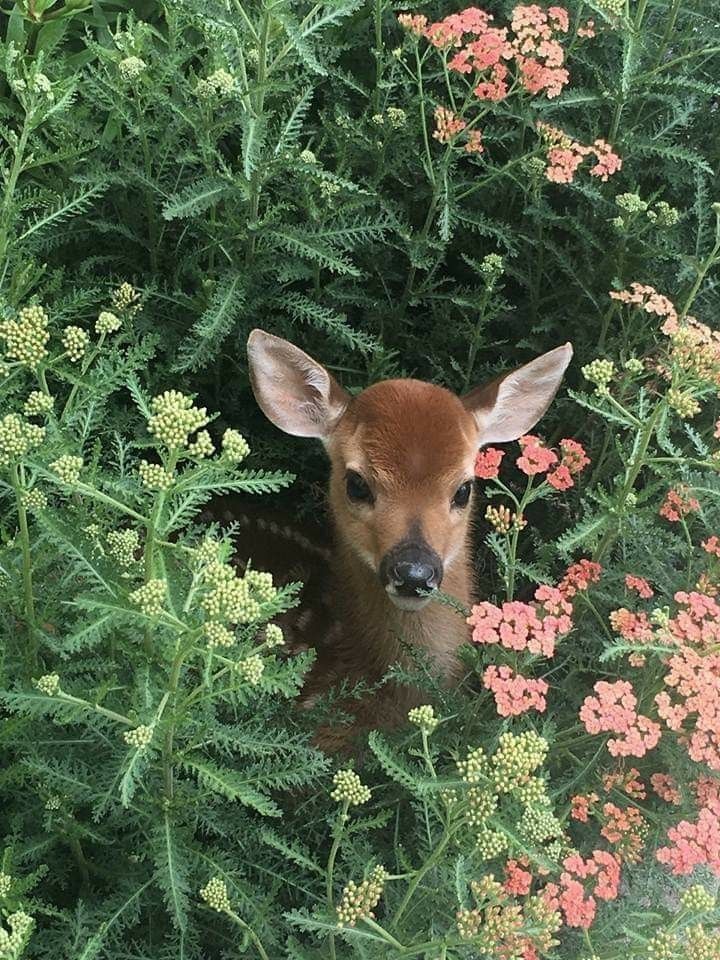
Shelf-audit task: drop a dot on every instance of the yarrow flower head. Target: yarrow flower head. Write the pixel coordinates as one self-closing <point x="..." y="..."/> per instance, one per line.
<point x="234" y="445"/>
<point x="139" y="738"/>
<point x="174" y="418"/>
<point x="49" y="684"/>
<point x="274" y="636"/>
<point x="359" y="900"/>
<point x="601" y="373"/>
<point x="487" y="463"/>
<point x="12" y="944"/>
<point x="154" y="476"/>
<point x="678" y="504"/>
<point x="219" y="85"/>
<point x="639" y="585"/>
<point x="251" y="669"/>
<point x="107" y="322"/>
<point x="349" y="788"/>
<point x="613" y="709"/>
<point x="202" y="446"/>
<point x="38" y="404"/>
<point x="126" y="299"/>
<point x="150" y="597"/>
<point x="514" y="694"/>
<point x="123" y="546"/>
<point x="26" y="337"/>
<point x="18" y="437"/>
<point x="68" y="468"/>
<point x="215" y="895"/>
<point x="131" y="68"/>
<point x="535" y="457"/>
<point x="503" y="519"/>
<point x="447" y="125"/>
<point x="35" y="500"/>
<point x="424" y="718"/>
<point x="75" y="341"/>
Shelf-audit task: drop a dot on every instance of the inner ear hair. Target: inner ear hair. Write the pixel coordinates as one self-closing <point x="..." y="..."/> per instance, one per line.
<point x="295" y="392"/>
<point x="509" y="406"/>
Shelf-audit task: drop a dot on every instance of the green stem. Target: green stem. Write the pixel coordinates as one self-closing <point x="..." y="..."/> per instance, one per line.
<point x="168" y="773"/>
<point x="250" y="932"/>
<point x="709" y="261"/>
<point x="337" y="840"/>
<point x="417" y="879"/>
<point x="637" y="462"/>
<point x="256" y="176"/>
<point x="30" y="620"/>
<point x="151" y="538"/>
<point x="110" y="714"/>
<point x="378" y="52"/>
<point x="15" y="171"/>
<point x="388" y="937"/>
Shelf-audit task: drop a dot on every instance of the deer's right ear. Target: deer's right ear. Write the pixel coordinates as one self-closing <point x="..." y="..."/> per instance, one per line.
<point x="294" y="392"/>
<point x="506" y="408"/>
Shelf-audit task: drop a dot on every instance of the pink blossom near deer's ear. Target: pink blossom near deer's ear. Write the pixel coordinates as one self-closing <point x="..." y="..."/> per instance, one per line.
<point x="509" y="406"/>
<point x="294" y="392"/>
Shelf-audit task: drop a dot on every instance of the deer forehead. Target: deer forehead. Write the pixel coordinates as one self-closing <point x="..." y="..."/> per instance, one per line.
<point x="405" y="432"/>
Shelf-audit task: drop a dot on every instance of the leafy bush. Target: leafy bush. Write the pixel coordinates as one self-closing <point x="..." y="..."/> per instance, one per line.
<point x="434" y="194"/>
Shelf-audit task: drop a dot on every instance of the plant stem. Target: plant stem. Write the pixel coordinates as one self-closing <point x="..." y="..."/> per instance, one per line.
<point x="250" y="932"/>
<point x="255" y="178"/>
<point x="69" y="698"/>
<point x="29" y="596"/>
<point x="417" y="879"/>
<point x="337" y="840"/>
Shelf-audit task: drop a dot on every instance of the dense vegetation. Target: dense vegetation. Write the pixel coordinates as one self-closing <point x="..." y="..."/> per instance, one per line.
<point x="400" y="191"/>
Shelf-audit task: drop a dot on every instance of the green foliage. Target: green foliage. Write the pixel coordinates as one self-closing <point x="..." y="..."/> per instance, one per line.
<point x="173" y="175"/>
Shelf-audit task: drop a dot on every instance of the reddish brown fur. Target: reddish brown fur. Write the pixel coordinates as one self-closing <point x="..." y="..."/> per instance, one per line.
<point x="414" y="444"/>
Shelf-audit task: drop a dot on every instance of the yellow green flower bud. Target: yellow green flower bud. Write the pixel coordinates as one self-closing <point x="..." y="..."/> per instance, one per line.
<point x="75" y="342"/>
<point x="107" y="322"/>
<point x="49" y="684"/>
<point x="139" y="738"/>
<point x="18" y="437"/>
<point x="38" y="404"/>
<point x="234" y="445"/>
<point x="123" y="546"/>
<point x="215" y="895"/>
<point x="68" y="468"/>
<point x="154" y="476"/>
<point x="349" y="788"/>
<point x="27" y="336"/>
<point x="424" y="718"/>
<point x="150" y="596"/>
<point x="251" y="669"/>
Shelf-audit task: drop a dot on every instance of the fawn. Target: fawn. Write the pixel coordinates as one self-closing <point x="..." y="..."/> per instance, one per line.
<point x="402" y="458"/>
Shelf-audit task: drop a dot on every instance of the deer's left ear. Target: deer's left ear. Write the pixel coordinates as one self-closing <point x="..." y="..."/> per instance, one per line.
<point x="511" y="405"/>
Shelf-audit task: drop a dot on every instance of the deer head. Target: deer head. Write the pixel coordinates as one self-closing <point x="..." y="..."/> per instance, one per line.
<point x="402" y="453"/>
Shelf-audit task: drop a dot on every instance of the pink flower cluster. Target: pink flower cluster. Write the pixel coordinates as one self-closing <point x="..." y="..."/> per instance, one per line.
<point x="579" y="577"/>
<point x="694" y="679"/>
<point x="486" y="50"/>
<point x="577" y="902"/>
<point x="648" y="299"/>
<point x="564" y="156"/>
<point x="487" y="463"/>
<point x="678" y="504"/>
<point x="635" y="627"/>
<point x="712" y="546"/>
<point x="666" y="788"/>
<point x="639" y="585"/>
<point x="694" y="844"/>
<point x="536" y="458"/>
<point x="523" y="626"/>
<point x="614" y="710"/>
<point x="517" y="881"/>
<point x="514" y="694"/>
<point x="697" y="621"/>
<point x="447" y="125"/>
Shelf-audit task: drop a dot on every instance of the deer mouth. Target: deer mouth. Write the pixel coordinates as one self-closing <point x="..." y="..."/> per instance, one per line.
<point x="403" y="602"/>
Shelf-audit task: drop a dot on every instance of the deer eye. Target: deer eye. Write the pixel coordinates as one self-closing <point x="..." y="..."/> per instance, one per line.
<point x="357" y="489"/>
<point x="462" y="494"/>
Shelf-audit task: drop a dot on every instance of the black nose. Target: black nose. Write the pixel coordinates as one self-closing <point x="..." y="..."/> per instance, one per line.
<point x="412" y="577"/>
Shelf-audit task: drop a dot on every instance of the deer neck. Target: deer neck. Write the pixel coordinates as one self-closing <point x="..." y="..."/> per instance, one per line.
<point x="375" y="633"/>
